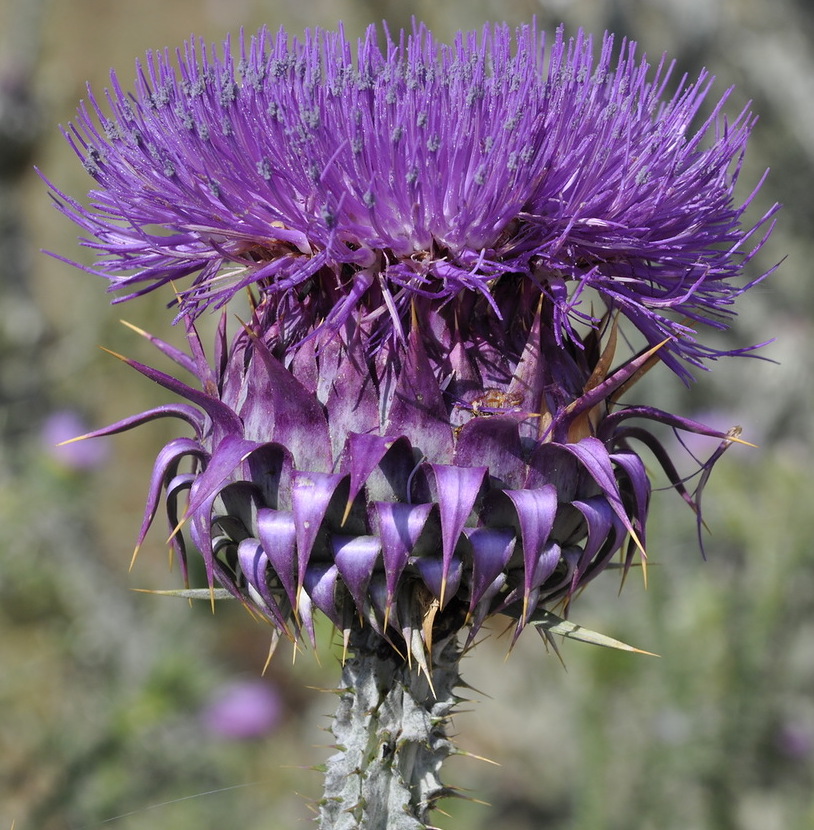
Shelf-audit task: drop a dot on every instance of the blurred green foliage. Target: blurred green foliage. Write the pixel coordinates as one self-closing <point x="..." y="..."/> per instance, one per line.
<point x="102" y="689"/>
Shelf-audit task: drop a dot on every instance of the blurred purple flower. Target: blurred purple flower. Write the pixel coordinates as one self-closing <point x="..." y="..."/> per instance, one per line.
<point x="423" y="170"/>
<point x="244" y="709"/>
<point x="63" y="425"/>
<point x="795" y="740"/>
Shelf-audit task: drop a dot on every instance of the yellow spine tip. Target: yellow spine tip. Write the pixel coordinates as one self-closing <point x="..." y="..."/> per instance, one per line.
<point x="135" y="328"/>
<point x="133" y="558"/>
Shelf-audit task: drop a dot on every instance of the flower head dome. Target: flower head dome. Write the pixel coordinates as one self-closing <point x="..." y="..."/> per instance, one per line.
<point x="422" y="170"/>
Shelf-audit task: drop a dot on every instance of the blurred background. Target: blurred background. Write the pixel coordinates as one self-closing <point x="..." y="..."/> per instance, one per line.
<point x="119" y="709"/>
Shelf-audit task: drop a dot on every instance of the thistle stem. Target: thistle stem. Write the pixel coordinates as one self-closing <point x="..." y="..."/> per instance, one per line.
<point x="390" y="729"/>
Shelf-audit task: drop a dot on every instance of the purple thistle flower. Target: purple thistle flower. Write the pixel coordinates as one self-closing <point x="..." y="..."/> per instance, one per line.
<point x="367" y="180"/>
<point x="422" y="423"/>
<point x="421" y="419"/>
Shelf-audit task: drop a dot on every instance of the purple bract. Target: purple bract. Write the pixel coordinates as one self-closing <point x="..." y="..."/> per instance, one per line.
<point x="436" y="483"/>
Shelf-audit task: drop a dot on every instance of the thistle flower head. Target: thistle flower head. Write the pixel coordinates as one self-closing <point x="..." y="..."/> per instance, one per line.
<point x="421" y="424"/>
<point x="368" y="178"/>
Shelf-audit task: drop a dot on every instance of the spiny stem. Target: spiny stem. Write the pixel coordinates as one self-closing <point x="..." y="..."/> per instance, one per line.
<point x="390" y="729"/>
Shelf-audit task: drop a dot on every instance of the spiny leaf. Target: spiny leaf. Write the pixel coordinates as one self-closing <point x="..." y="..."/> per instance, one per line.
<point x="190" y="593"/>
<point x="556" y="625"/>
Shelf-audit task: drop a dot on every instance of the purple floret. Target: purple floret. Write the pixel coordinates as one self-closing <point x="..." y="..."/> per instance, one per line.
<point x="423" y="169"/>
